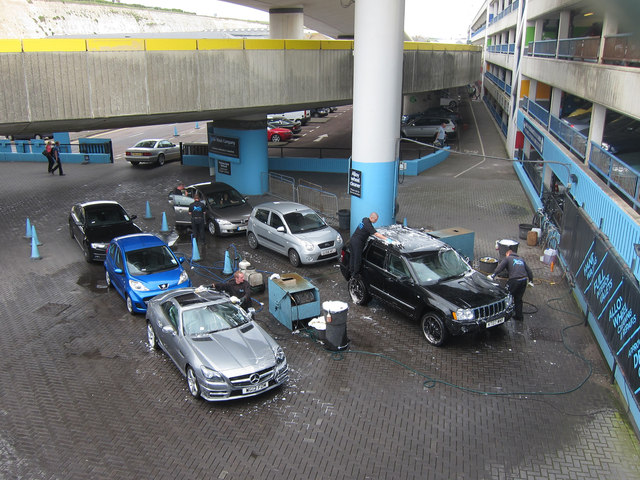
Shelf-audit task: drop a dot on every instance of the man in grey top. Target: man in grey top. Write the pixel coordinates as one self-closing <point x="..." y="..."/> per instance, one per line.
<point x="441" y="135"/>
<point x="519" y="273"/>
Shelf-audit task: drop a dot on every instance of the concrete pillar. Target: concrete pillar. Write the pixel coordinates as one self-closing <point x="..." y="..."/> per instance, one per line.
<point x="378" y="54"/>
<point x="596" y="127"/>
<point x="238" y="153"/>
<point x="609" y="27"/>
<point x="564" y="25"/>
<point x="286" y="23"/>
<point x="556" y="101"/>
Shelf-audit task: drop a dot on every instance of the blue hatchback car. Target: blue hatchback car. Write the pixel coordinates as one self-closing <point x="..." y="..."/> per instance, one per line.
<point x="141" y="266"/>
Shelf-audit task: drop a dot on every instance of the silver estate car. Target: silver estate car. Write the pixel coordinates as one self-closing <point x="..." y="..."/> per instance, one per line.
<point x="216" y="345"/>
<point x="293" y="230"/>
<point x="152" y="150"/>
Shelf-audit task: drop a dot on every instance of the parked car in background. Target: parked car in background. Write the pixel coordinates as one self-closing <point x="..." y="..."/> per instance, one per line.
<point x="141" y="266"/>
<point x="152" y="150"/>
<point x="277" y="134"/>
<point x="445" y="112"/>
<point x="227" y="211"/>
<point x="427" y="127"/>
<point x="294" y="230"/>
<point x="94" y="224"/>
<point x="294" y="126"/>
<point x="427" y="280"/>
<point x="217" y="346"/>
<point x="319" y="112"/>
<point x="301" y="116"/>
<point x="29" y="136"/>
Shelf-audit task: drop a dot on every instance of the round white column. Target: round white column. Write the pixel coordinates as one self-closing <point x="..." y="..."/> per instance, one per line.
<point x="377" y="102"/>
<point x="286" y="23"/>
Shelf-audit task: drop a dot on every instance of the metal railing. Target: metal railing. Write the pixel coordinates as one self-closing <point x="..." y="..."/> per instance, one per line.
<point x="315" y="197"/>
<point x="511" y="8"/>
<point x="505" y="87"/>
<point x="585" y="48"/>
<point x="281" y="186"/>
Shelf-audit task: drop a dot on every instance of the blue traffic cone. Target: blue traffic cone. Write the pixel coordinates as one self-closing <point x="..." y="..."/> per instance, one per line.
<point x="197" y="126"/>
<point x="35" y="254"/>
<point x="227" y="270"/>
<point x="175" y="132"/>
<point x="147" y="213"/>
<point x="165" y="227"/>
<point x="404" y="223"/>
<point x="34" y="235"/>
<point x="195" y="255"/>
<point x="28" y="232"/>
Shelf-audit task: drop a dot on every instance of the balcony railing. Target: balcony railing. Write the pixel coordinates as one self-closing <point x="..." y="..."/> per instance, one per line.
<point x="585" y="48"/>
<point x="500" y="83"/>
<point x="511" y="8"/>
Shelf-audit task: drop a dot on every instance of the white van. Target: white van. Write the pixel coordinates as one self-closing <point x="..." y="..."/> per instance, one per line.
<point x="302" y="116"/>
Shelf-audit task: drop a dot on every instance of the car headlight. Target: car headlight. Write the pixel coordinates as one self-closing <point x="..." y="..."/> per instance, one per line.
<point x="463" y="314"/>
<point x="138" y="286"/>
<point x="99" y="246"/>
<point x="338" y="239"/>
<point x="509" y="301"/>
<point x="224" y="223"/>
<point x="184" y="276"/>
<point x="211" y="374"/>
<point x="279" y="353"/>
<point x="308" y="246"/>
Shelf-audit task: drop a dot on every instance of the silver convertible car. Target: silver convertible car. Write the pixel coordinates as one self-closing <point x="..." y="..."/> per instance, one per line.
<point x="218" y="346"/>
<point x="152" y="150"/>
<point x="293" y="230"/>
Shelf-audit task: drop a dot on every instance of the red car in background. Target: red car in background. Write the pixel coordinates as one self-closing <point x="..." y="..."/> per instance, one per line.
<point x="278" y="134"/>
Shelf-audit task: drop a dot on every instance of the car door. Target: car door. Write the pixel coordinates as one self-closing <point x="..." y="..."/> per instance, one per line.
<point x="167" y="323"/>
<point x="277" y="240"/>
<point x="115" y="261"/>
<point x="77" y="223"/>
<point x="398" y="284"/>
<point x="181" y="205"/>
<point x="171" y="151"/>
<point x="259" y="222"/>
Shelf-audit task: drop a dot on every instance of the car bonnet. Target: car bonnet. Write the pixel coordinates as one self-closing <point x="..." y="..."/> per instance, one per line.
<point x="104" y="233"/>
<point x="470" y="291"/>
<point x="233" y="351"/>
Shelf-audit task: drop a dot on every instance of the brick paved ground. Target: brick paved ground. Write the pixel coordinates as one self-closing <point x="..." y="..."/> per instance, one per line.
<point x="82" y="396"/>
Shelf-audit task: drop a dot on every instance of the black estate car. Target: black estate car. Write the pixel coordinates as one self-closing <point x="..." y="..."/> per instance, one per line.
<point x="428" y="280"/>
<point x="95" y="224"/>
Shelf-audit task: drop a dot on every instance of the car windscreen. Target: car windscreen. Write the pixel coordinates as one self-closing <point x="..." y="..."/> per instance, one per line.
<point x="226" y="198"/>
<point x="435" y="266"/>
<point x="106" y="214"/>
<point x="301" y="222"/>
<point x="150" y="260"/>
<point x="212" y="318"/>
<point x="145" y="144"/>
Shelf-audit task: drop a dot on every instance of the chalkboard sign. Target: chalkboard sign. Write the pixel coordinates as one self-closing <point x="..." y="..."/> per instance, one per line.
<point x="609" y="287"/>
<point x="355" y="182"/>
<point x="224" y="167"/>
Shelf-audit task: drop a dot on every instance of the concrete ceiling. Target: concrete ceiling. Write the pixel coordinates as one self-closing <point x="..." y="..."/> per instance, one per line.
<point x="331" y="17"/>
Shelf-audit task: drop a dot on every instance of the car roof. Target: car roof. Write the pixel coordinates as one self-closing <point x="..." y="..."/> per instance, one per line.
<point x="410" y="240"/>
<point x="284" y="207"/>
<point x="190" y="297"/>
<point x="98" y="202"/>
<point x="207" y="187"/>
<point x="137" y="241"/>
<point x="150" y="140"/>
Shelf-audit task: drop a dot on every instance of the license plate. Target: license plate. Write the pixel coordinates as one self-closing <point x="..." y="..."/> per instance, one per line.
<point x="495" y="322"/>
<point x="328" y="251"/>
<point x="136" y="154"/>
<point x="242" y="228"/>
<point x="255" y="388"/>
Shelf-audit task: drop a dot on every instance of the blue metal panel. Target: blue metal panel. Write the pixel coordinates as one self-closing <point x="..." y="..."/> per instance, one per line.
<point x="283" y="305"/>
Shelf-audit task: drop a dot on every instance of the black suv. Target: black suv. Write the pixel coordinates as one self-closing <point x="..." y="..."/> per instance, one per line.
<point x="428" y="280"/>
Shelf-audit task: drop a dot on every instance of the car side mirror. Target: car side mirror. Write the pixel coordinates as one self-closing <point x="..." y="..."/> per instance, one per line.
<point x="280" y="229"/>
<point x="119" y="271"/>
<point x="133" y="217"/>
<point x="252" y="312"/>
<point x="169" y="329"/>
<point x="181" y="259"/>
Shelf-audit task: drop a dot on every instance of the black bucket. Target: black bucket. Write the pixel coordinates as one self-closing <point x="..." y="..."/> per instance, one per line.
<point x="524" y="229"/>
<point x="344" y="219"/>
<point x="487" y="265"/>
<point x="506" y="245"/>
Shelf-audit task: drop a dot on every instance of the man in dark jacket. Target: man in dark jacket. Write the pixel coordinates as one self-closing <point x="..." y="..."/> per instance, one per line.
<point x="519" y="273"/>
<point x="196" y="210"/>
<point x="237" y="287"/>
<point x="359" y="239"/>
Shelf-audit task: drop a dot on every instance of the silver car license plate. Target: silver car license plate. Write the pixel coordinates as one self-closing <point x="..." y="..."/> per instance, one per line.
<point x="328" y="251"/>
<point x="255" y="388"/>
<point x="495" y="322"/>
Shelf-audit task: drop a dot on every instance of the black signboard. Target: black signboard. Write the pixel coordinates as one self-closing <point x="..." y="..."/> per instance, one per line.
<point x="224" y="145"/>
<point x="224" y="167"/>
<point x="355" y="182"/>
<point x="609" y="287"/>
<point x="533" y="135"/>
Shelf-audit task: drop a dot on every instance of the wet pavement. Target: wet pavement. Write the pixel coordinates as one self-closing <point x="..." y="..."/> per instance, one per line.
<point x="83" y="396"/>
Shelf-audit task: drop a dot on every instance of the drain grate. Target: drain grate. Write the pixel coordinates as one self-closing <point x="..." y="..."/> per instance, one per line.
<point x="52" y="309"/>
<point x="549" y="335"/>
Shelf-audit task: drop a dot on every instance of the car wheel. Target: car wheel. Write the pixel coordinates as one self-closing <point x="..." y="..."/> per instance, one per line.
<point x="433" y="329"/>
<point x="107" y="278"/>
<point x="151" y="337"/>
<point x="275" y="138"/>
<point x="160" y="160"/>
<point x="192" y="382"/>
<point x="294" y="258"/>
<point x="129" y="305"/>
<point x="213" y="227"/>
<point x="87" y="252"/>
<point x="253" y="241"/>
<point x="358" y="291"/>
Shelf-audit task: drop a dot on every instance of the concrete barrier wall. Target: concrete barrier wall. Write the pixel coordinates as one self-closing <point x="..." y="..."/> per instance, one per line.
<point x="109" y="83"/>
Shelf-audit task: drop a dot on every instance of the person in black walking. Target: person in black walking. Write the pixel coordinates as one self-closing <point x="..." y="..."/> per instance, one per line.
<point x="237" y="287"/>
<point x="519" y="274"/>
<point x="359" y="239"/>
<point x="55" y="151"/>
<point x="48" y="153"/>
<point x="196" y="210"/>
